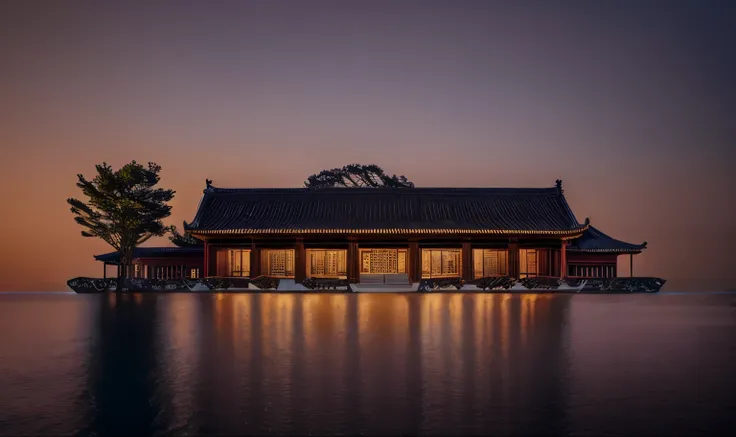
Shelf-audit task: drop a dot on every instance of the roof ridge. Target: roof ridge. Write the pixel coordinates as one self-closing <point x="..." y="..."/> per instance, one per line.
<point x="341" y="190"/>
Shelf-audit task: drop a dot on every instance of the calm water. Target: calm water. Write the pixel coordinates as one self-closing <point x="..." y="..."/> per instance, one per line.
<point x="372" y="364"/>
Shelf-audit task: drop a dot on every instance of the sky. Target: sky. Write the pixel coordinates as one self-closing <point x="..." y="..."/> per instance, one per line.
<point x="630" y="103"/>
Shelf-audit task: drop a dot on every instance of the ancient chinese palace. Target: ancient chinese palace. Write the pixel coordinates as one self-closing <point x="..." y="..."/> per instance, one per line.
<point x="382" y="235"/>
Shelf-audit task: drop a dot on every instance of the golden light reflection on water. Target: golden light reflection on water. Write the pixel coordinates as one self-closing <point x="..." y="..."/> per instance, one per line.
<point x="481" y="309"/>
<point x="219" y="316"/>
<point x="284" y="321"/>
<point x="448" y="323"/>
<point x="505" y="316"/>
<point x="309" y="305"/>
<point x="523" y="318"/>
<point x="456" y="319"/>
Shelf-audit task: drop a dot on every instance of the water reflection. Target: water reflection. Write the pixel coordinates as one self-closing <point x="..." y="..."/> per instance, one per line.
<point x="370" y="363"/>
<point x="122" y="367"/>
<point x="378" y="364"/>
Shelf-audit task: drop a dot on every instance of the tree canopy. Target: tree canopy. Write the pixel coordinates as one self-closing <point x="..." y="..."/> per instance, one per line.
<point x="124" y="207"/>
<point x="357" y="175"/>
<point x="185" y="239"/>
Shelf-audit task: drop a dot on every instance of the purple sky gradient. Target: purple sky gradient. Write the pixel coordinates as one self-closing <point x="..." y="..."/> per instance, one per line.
<point x="631" y="103"/>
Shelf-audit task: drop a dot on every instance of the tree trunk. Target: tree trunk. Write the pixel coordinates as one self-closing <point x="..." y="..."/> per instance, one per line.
<point x="125" y="259"/>
<point x="121" y="278"/>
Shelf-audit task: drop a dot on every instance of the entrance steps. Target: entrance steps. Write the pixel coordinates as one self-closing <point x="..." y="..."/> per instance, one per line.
<point x="384" y="288"/>
<point x="385" y="283"/>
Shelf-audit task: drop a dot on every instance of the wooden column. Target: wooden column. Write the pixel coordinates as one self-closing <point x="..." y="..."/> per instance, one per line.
<point x="255" y="260"/>
<point x="514" y="260"/>
<point x="349" y="262"/>
<point x="467" y="262"/>
<point x="353" y="261"/>
<point x="542" y="266"/>
<point x="205" y="267"/>
<point x="300" y="261"/>
<point x="563" y="259"/>
<point x="415" y="262"/>
<point x="631" y="265"/>
<point x="210" y="262"/>
<point x="104" y="270"/>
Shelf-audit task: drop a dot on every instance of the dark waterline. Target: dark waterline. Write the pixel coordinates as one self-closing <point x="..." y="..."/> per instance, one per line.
<point x="364" y="363"/>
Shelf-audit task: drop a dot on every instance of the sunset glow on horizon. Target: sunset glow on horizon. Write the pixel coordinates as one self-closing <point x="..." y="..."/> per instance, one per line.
<point x="631" y="106"/>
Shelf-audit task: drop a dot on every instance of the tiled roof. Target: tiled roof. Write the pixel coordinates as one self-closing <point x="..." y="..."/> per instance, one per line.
<point x="385" y="210"/>
<point x="151" y="252"/>
<point x="594" y="240"/>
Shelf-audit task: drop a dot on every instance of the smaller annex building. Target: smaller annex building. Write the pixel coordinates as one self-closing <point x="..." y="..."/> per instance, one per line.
<point x="385" y="235"/>
<point x="160" y="262"/>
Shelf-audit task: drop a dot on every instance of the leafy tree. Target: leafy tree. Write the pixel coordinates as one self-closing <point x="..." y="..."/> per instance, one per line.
<point x="124" y="208"/>
<point x="356" y="175"/>
<point x="185" y="239"/>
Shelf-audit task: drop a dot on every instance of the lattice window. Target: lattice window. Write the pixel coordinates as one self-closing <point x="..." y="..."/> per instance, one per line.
<point x="383" y="261"/>
<point x="326" y="262"/>
<point x="528" y="265"/>
<point x="318" y="265"/>
<point x="238" y="263"/>
<point x="490" y="262"/>
<point x="280" y="262"/>
<point x="441" y="263"/>
<point x="401" y="261"/>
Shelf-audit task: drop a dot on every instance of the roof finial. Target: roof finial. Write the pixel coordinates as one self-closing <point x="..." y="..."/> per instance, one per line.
<point x="587" y="221"/>
<point x="208" y="182"/>
<point x="558" y="183"/>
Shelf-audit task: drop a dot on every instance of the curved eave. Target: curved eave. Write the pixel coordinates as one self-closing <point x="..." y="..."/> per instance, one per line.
<point x="156" y="252"/>
<point x="618" y="251"/>
<point x="570" y="233"/>
<point x="105" y="258"/>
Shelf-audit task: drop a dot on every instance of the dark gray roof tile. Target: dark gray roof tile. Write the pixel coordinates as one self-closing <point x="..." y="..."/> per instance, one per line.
<point x="152" y="252"/>
<point x="593" y="240"/>
<point x="532" y="210"/>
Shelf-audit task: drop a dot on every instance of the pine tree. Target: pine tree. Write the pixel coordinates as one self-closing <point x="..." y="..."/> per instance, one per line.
<point x="124" y="208"/>
<point x="185" y="239"/>
<point x="357" y="175"/>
